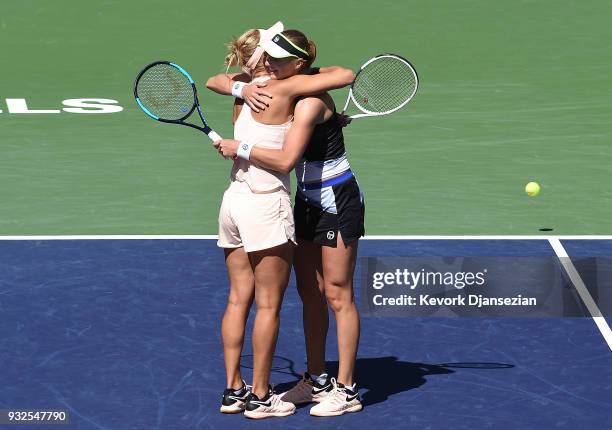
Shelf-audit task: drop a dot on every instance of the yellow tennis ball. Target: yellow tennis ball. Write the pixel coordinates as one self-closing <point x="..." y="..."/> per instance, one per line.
<point x="532" y="189"/>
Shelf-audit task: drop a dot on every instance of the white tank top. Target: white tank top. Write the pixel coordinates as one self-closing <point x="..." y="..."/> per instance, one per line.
<point x="259" y="179"/>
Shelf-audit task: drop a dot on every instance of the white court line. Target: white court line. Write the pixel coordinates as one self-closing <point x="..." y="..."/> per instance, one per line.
<point x="569" y="267"/>
<point x="114" y="237"/>
<point x="375" y="237"/>
<point x="493" y="237"/>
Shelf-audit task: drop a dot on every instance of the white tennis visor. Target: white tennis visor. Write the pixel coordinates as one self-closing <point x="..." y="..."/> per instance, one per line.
<point x="264" y="34"/>
<point x="281" y="47"/>
<point x="267" y="34"/>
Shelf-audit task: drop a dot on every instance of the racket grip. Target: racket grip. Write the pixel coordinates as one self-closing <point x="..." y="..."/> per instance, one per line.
<point x="214" y="136"/>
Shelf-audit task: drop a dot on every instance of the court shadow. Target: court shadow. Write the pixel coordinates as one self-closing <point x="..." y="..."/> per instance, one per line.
<point x="476" y="365"/>
<point x="279" y="365"/>
<point x="383" y="377"/>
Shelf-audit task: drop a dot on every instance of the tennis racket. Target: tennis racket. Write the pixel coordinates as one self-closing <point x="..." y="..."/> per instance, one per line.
<point x="167" y="93"/>
<point x="383" y="85"/>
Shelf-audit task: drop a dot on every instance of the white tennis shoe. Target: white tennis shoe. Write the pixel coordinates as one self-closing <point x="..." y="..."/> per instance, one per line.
<point x="341" y="400"/>
<point x="233" y="401"/>
<point x="269" y="406"/>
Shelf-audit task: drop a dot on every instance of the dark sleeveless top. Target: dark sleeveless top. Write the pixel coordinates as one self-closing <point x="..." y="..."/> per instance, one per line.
<point x="326" y="142"/>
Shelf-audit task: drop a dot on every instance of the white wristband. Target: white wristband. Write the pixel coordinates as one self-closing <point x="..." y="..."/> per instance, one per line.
<point x="244" y="150"/>
<point x="237" y="89"/>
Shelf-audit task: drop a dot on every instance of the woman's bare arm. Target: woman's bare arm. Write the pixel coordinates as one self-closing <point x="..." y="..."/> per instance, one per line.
<point x="222" y="83"/>
<point x="255" y="97"/>
<point x="308" y="113"/>
<point x="328" y="78"/>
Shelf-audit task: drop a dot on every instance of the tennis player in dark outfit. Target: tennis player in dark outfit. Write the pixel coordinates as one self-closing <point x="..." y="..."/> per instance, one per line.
<point x="325" y="206"/>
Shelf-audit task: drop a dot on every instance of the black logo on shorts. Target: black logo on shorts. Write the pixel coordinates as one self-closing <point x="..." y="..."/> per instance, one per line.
<point x="245" y="146"/>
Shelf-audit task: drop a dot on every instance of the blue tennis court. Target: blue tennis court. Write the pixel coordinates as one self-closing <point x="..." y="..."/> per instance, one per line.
<point x="124" y="334"/>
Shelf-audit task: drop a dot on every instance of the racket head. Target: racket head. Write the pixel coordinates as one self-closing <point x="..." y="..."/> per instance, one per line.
<point x="383" y="85"/>
<point x="165" y="91"/>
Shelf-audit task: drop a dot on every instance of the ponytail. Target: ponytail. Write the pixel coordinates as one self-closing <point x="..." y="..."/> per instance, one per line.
<point x="299" y="39"/>
<point x="241" y="48"/>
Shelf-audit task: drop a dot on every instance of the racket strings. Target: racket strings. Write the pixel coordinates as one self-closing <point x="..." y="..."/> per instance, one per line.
<point x="384" y="85"/>
<point x="166" y="92"/>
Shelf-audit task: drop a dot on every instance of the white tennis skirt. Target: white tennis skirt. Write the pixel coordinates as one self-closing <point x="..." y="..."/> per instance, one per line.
<point x="255" y="221"/>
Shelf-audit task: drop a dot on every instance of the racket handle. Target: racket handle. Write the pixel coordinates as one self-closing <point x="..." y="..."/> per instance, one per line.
<point x="214" y="136"/>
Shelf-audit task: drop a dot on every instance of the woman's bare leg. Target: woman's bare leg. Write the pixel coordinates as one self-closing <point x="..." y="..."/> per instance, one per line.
<point x="242" y="290"/>
<point x="272" y="268"/>
<point x="309" y="277"/>
<point x="338" y="269"/>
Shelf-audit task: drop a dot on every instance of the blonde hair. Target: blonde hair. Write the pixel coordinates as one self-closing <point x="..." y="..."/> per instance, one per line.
<point x="240" y="50"/>
<point x="299" y="39"/>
